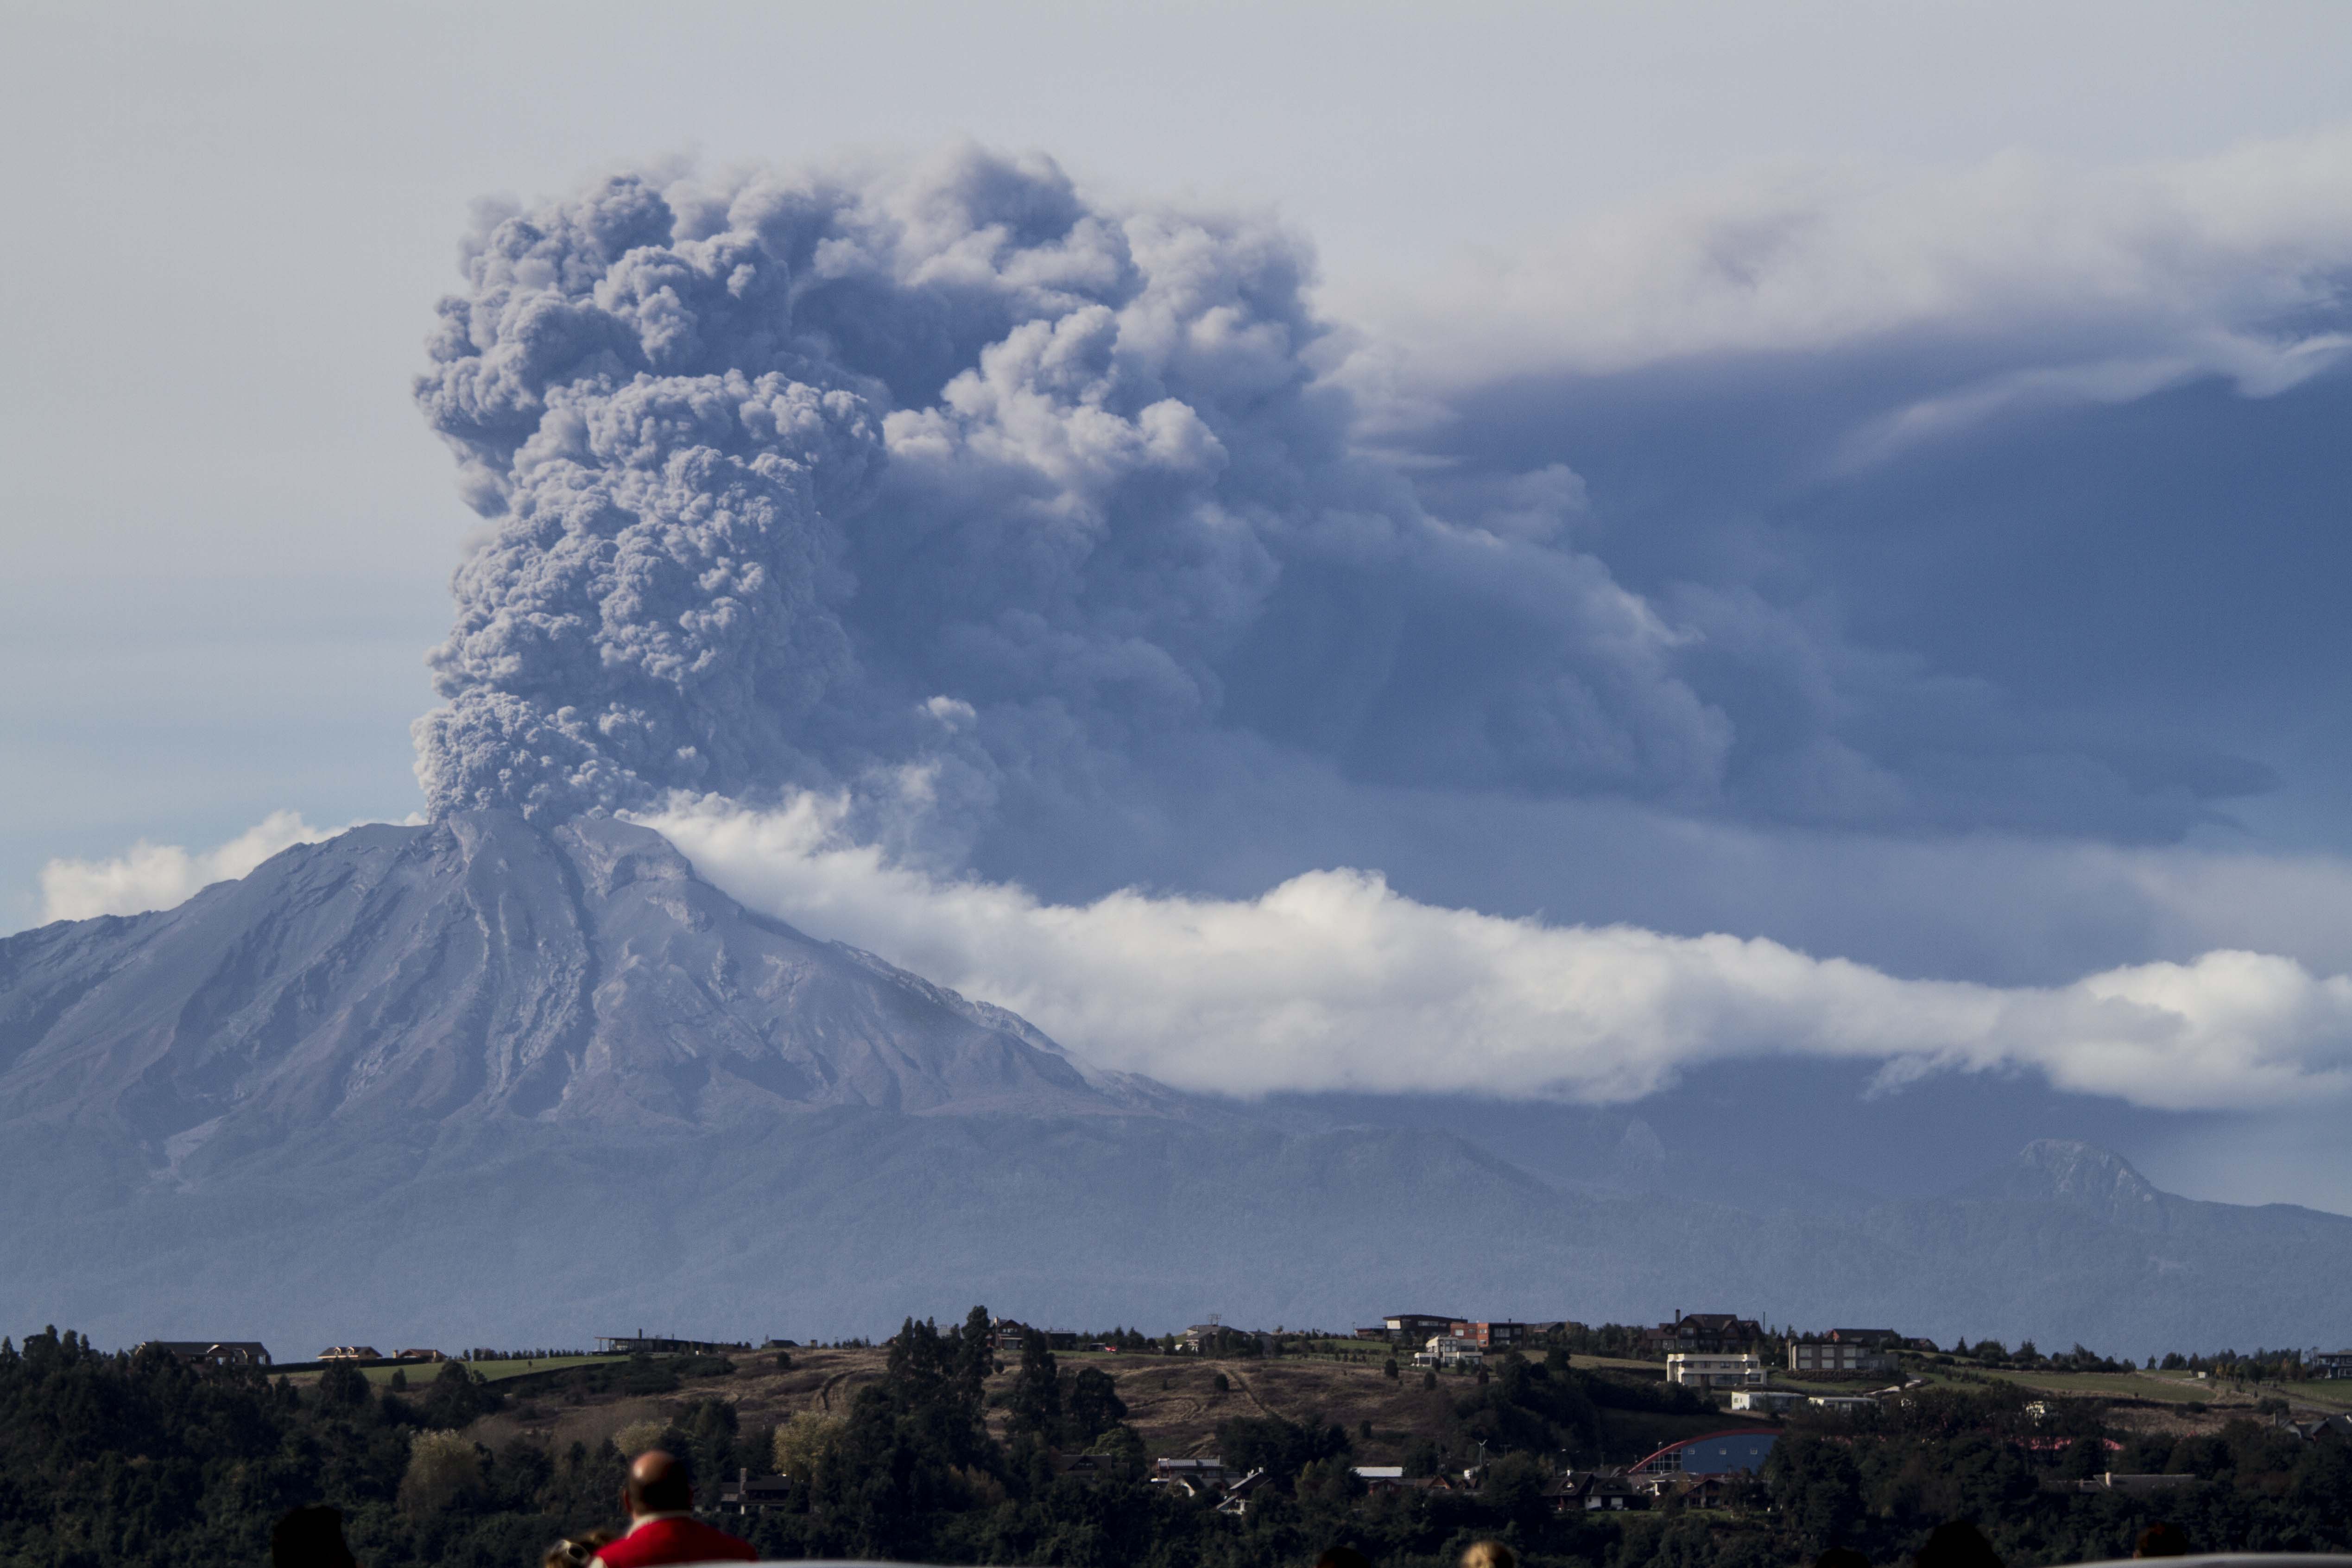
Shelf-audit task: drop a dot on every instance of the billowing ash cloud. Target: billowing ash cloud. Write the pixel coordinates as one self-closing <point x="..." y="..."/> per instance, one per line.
<point x="804" y="481"/>
<point x="948" y="486"/>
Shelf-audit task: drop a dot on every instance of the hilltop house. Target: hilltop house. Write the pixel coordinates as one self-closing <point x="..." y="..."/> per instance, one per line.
<point x="2332" y="1363"/>
<point x="1717" y="1370"/>
<point x="643" y="1343"/>
<point x="1703" y="1333"/>
<point x="215" y="1352"/>
<point x="1449" y="1351"/>
<point x="1413" y="1328"/>
<point x="351" y="1353"/>
<point x="1494" y="1338"/>
<point x="1842" y="1352"/>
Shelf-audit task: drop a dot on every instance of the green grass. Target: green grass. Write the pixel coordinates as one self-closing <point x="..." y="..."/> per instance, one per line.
<point x="2169" y="1387"/>
<point x="422" y="1373"/>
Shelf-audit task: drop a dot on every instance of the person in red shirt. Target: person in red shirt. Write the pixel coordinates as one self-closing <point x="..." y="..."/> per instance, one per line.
<point x="661" y="1526"/>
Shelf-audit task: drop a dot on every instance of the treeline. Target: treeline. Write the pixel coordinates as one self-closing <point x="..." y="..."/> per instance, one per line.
<point x="124" y="1459"/>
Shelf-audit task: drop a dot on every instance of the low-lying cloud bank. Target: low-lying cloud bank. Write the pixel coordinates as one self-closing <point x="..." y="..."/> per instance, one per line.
<point x="159" y="876"/>
<point x="1333" y="981"/>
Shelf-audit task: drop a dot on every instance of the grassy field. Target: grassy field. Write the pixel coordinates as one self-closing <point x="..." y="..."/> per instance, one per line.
<point x="2167" y="1387"/>
<point x="1173" y="1401"/>
<point x="421" y="1373"/>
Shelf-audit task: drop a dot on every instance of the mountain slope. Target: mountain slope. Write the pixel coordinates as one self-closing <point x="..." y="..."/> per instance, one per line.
<point x="481" y="966"/>
<point x="484" y="1082"/>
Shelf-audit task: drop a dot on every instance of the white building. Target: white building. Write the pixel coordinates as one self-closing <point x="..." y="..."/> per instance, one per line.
<point x="1774" y="1400"/>
<point x="1695" y="1370"/>
<point x="1450" y="1350"/>
<point x="1844" y="1404"/>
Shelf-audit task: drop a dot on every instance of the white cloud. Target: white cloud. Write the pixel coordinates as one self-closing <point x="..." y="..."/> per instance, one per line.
<point x="159" y="876"/>
<point x="1332" y="981"/>
<point x="2110" y="276"/>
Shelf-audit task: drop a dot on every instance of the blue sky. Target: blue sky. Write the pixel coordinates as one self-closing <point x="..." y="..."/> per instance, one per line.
<point x="1861" y="479"/>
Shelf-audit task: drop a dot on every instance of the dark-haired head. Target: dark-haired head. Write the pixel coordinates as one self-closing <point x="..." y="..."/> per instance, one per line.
<point x="1342" y="1557"/>
<point x="1840" y="1557"/>
<point x="2161" y="1539"/>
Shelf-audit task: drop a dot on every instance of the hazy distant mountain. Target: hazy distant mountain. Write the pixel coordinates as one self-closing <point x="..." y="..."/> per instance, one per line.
<point x="481" y="1082"/>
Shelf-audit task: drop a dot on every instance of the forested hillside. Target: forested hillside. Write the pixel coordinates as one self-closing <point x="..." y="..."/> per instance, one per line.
<point x="139" y="1460"/>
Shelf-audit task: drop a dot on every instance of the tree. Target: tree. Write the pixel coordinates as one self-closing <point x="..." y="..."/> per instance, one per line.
<point x="975" y="1355"/>
<point x="1094" y="1406"/>
<point x="1278" y="1446"/>
<point x="805" y="1440"/>
<point x="1036" y="1402"/>
<point x="342" y="1387"/>
<point x="443" y="1470"/>
<point x="456" y="1398"/>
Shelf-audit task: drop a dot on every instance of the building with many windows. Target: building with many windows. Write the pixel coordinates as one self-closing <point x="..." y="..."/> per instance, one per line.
<point x="1450" y="1350"/>
<point x="1834" y="1357"/>
<point x="1693" y="1371"/>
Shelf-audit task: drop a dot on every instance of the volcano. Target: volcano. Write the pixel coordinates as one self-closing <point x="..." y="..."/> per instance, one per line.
<point x="488" y="1082"/>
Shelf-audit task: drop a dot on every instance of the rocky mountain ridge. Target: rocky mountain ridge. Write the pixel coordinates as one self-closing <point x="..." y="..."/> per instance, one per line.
<point x="486" y="1081"/>
<point x="481" y="966"/>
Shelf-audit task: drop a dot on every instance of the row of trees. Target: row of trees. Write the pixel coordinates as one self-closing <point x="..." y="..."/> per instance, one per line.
<point x="120" y="1459"/>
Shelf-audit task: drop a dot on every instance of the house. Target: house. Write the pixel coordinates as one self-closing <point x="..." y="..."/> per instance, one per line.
<point x="1843" y="1404"/>
<point x="1379" y="1478"/>
<point x="1592" y="1491"/>
<point x="643" y="1343"/>
<point x="1830" y="1356"/>
<point x="1774" y="1400"/>
<point x="1864" y="1337"/>
<point x="1711" y="1490"/>
<point x="2332" y="1363"/>
<point x="213" y="1352"/>
<point x="1449" y="1351"/>
<point x="350" y="1354"/>
<point x="1695" y="1370"/>
<point x="1494" y="1338"/>
<point x="1195" y="1473"/>
<point x="1703" y="1333"/>
<point x="1086" y="1467"/>
<point x="418" y="1355"/>
<point x="1379" y="1333"/>
<point x="1413" y="1328"/>
<point x="1237" y="1495"/>
<point x="748" y="1493"/>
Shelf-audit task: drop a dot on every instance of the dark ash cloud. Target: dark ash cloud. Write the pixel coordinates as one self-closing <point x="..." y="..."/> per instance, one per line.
<point x="948" y="488"/>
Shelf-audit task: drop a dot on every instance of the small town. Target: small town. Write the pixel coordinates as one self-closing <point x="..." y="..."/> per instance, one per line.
<point x="1442" y="1421"/>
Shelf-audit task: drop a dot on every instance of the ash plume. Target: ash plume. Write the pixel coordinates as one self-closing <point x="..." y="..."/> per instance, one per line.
<point x="950" y="476"/>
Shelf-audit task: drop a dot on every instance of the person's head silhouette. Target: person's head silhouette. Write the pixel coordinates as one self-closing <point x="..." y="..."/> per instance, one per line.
<point x="1956" y="1543"/>
<point x="309" y="1538"/>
